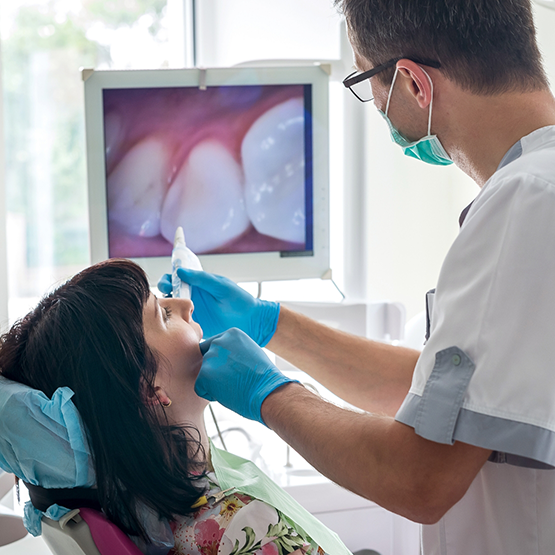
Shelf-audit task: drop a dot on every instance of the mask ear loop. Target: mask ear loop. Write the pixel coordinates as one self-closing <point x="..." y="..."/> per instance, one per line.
<point x="431" y="101"/>
<point x="391" y="90"/>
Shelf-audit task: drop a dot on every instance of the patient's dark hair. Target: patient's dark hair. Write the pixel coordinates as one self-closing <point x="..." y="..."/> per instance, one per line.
<point x="485" y="46"/>
<point x="88" y="335"/>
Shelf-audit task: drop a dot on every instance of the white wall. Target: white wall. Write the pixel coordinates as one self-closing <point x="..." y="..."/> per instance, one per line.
<point x="545" y="23"/>
<point x="242" y="30"/>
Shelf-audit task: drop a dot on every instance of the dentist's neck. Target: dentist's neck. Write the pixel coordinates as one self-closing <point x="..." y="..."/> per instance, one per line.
<point x="479" y="129"/>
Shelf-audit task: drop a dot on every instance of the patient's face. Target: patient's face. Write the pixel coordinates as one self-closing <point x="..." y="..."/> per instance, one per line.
<point x="172" y="333"/>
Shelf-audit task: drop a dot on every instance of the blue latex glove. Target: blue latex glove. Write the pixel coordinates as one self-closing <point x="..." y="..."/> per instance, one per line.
<point x="237" y="373"/>
<point x="220" y="304"/>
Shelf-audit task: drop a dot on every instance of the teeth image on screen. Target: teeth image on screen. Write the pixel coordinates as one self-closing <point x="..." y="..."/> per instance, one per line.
<point x="114" y="134"/>
<point x="232" y="176"/>
<point x="273" y="161"/>
<point x="137" y="187"/>
<point x="206" y="199"/>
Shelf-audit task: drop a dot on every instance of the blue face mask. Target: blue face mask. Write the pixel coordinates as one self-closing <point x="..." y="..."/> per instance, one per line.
<point x="428" y="149"/>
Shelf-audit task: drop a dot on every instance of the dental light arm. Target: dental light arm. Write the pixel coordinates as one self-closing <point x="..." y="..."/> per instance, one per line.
<point x="220" y="304"/>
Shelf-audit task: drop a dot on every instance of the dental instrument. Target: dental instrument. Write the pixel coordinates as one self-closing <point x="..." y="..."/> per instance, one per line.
<point x="182" y="257"/>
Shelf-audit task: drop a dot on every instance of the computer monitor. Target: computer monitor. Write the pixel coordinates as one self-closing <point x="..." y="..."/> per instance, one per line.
<point x="238" y="157"/>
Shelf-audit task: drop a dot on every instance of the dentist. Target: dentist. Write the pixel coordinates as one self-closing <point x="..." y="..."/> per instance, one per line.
<point x="460" y="437"/>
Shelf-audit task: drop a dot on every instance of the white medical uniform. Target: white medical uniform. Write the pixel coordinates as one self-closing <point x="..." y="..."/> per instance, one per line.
<point x="486" y="375"/>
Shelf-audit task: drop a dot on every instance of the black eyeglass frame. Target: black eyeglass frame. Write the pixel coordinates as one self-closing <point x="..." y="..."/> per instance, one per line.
<point x="353" y="79"/>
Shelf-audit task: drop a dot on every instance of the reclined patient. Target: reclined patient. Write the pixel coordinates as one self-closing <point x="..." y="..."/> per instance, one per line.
<point x="131" y="361"/>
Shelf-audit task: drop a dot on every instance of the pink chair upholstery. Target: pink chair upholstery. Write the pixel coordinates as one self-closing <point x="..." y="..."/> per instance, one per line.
<point x="86" y="532"/>
<point x="109" y="539"/>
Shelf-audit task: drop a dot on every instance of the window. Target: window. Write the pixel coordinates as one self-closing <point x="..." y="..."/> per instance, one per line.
<point x="44" y="43"/>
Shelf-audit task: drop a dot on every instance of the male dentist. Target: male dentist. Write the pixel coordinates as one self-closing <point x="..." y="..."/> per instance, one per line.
<point x="460" y="437"/>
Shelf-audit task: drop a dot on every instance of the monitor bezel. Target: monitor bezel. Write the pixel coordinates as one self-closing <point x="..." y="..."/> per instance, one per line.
<point x="241" y="267"/>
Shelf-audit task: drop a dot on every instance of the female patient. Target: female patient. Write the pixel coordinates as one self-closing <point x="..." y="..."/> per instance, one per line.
<point x="131" y="360"/>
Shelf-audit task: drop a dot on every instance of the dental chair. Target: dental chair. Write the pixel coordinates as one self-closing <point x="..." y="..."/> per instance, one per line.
<point x="86" y="532"/>
<point x="82" y="531"/>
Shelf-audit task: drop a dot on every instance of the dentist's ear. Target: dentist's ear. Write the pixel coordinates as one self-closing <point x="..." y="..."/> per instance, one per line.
<point x="417" y="81"/>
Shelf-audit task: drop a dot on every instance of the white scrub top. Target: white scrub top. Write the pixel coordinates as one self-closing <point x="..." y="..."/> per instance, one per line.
<point x="486" y="375"/>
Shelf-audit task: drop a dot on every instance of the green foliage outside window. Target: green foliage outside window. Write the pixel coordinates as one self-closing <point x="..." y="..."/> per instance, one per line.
<point x="45" y="148"/>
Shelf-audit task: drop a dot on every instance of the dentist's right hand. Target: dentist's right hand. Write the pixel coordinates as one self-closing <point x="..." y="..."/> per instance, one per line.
<point x="237" y="373"/>
<point x="220" y="304"/>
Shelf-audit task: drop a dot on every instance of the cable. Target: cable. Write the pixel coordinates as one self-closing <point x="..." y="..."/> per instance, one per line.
<point x="217" y="427"/>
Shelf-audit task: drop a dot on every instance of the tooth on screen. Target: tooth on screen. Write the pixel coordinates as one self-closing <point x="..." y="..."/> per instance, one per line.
<point x="137" y="187"/>
<point x="113" y="133"/>
<point x="206" y="199"/>
<point x="273" y="162"/>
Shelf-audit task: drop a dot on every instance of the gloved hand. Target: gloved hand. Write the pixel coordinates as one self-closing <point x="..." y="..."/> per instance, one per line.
<point x="220" y="304"/>
<point x="237" y="373"/>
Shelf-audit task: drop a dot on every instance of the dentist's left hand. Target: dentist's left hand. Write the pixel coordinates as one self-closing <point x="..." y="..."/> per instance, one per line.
<point x="237" y="373"/>
<point x="220" y="304"/>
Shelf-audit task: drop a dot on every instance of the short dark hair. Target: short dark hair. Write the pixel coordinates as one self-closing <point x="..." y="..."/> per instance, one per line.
<point x="88" y="335"/>
<point x="485" y="46"/>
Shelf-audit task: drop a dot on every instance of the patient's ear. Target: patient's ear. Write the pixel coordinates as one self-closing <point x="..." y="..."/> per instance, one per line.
<point x="156" y="396"/>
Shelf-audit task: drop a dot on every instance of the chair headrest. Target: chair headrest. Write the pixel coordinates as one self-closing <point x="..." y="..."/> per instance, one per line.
<point x="42" y="440"/>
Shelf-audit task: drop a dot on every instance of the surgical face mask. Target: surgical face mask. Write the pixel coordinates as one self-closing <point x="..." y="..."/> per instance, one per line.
<point x="428" y="149"/>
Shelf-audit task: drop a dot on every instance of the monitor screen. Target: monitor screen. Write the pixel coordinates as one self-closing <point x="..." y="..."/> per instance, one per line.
<point x="231" y="160"/>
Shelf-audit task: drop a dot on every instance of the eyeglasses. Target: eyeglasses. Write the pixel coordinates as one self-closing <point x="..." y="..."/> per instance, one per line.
<point x="359" y="83"/>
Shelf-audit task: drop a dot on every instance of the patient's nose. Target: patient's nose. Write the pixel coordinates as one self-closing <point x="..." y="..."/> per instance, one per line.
<point x="187" y="308"/>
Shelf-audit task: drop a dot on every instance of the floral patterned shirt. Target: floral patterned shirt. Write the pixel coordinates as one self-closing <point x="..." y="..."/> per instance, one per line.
<point x="237" y="525"/>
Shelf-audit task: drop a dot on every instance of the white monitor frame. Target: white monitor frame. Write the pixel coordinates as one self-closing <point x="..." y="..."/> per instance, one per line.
<point x="265" y="266"/>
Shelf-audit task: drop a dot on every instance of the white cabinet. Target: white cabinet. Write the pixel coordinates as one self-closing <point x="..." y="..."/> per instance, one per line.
<point x="360" y="523"/>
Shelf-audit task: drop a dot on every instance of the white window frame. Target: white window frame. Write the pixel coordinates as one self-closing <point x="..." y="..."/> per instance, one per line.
<point x="3" y="243"/>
